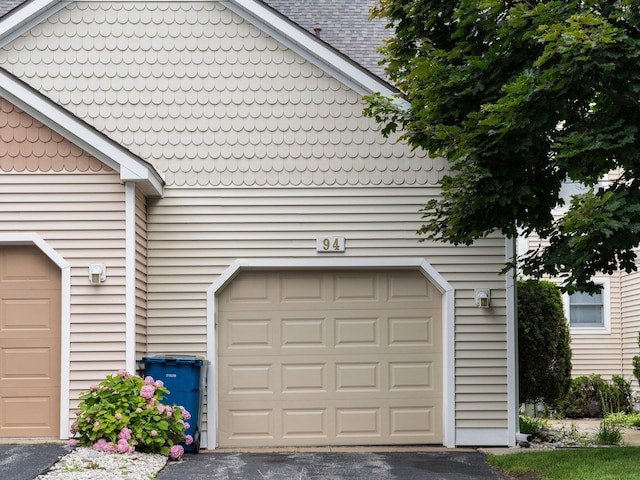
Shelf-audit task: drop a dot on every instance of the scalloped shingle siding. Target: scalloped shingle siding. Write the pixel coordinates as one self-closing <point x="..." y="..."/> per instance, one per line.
<point x="27" y="145"/>
<point x="209" y="99"/>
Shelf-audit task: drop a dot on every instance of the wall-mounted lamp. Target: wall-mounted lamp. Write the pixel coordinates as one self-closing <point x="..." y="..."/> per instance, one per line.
<point x="483" y="297"/>
<point x="97" y="273"/>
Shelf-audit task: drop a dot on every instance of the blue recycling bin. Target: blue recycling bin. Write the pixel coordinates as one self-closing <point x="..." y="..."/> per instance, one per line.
<point x="185" y="379"/>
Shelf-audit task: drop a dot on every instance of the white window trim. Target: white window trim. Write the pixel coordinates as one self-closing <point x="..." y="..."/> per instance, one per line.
<point x="606" y="305"/>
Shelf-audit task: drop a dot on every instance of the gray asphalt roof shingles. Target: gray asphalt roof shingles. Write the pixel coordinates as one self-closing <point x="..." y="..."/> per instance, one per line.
<point x="345" y="26"/>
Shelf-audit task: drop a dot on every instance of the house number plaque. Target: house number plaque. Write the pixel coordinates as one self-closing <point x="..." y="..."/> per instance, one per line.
<point x="330" y="244"/>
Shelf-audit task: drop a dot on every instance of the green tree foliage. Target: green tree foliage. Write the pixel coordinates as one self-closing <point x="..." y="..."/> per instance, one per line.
<point x="544" y="351"/>
<point x="635" y="361"/>
<point x="520" y="96"/>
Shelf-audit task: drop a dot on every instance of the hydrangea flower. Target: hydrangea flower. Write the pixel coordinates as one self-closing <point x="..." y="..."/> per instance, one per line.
<point x="72" y="442"/>
<point x="147" y="391"/>
<point x="124" y="447"/>
<point x="104" y="446"/>
<point x="176" y="452"/>
<point x="188" y="440"/>
<point x="185" y="414"/>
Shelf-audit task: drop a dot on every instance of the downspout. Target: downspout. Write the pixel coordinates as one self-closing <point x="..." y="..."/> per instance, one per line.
<point x="130" y="277"/>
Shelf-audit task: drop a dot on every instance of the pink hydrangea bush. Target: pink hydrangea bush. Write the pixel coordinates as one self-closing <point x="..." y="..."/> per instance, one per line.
<point x="125" y="413"/>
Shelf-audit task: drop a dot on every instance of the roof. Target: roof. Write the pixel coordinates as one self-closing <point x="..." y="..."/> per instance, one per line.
<point x="345" y="25"/>
<point x="7" y="5"/>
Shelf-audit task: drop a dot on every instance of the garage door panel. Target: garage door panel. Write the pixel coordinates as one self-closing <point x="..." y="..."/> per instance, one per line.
<point x="30" y="330"/>
<point x="248" y="426"/>
<point x="300" y="332"/>
<point x="338" y="372"/>
<point x="350" y="329"/>
<point x="298" y="378"/>
<point x="413" y="422"/>
<point x="388" y="376"/>
<point x="357" y="330"/>
<point x="353" y="288"/>
<point x="402" y="288"/>
<point x="305" y="423"/>
<point x="249" y="291"/>
<point x="27" y="415"/>
<point x="26" y="361"/>
<point x="248" y="333"/>
<point x="417" y="330"/>
<point x="350" y="423"/>
<point x="23" y="310"/>
<point x="307" y="289"/>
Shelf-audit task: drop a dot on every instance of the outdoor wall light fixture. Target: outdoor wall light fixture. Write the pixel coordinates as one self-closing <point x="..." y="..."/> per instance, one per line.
<point x="97" y="273"/>
<point x="483" y="297"/>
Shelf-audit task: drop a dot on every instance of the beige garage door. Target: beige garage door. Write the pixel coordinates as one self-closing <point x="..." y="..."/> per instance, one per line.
<point x="29" y="343"/>
<point x="330" y="358"/>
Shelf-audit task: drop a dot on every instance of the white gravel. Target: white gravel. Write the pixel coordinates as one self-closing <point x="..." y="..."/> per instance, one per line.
<point x="87" y="464"/>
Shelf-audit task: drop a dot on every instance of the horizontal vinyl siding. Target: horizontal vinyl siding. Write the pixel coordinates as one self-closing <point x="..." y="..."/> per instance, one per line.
<point x="195" y="234"/>
<point x="81" y="215"/>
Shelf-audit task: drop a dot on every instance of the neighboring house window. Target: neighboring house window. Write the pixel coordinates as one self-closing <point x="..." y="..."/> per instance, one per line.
<point x="589" y="313"/>
<point x="570" y="188"/>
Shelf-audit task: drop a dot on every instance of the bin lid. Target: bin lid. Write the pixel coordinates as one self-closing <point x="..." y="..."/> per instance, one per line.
<point x="174" y="359"/>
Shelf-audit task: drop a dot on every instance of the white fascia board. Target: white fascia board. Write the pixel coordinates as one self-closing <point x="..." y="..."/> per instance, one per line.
<point x="24" y="17"/>
<point x="68" y="126"/>
<point x="300" y="42"/>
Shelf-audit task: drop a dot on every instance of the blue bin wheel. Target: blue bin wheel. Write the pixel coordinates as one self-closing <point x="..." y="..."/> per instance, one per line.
<point x="196" y="441"/>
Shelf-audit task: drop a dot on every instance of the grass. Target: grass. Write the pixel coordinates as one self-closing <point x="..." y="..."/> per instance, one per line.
<point x="617" y="463"/>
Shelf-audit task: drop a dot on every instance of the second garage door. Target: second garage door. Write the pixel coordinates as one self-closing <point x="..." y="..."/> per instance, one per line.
<point x="329" y="358"/>
<point x="29" y="343"/>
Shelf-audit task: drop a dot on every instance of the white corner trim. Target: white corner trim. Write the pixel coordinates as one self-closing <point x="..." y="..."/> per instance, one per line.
<point x="130" y="277"/>
<point x="513" y="423"/>
<point x="30" y="238"/>
<point x="356" y="263"/>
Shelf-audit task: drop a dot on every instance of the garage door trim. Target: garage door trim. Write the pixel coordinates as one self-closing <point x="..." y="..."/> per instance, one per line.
<point x="30" y="238"/>
<point x="359" y="264"/>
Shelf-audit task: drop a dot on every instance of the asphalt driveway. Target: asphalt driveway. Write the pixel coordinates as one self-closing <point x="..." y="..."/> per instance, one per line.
<point x="26" y="461"/>
<point x="437" y="465"/>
